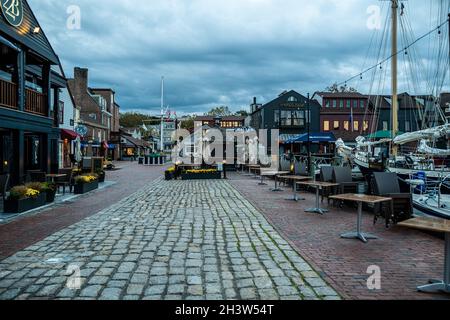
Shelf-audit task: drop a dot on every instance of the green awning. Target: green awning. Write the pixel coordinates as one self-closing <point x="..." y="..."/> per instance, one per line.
<point x="384" y="134"/>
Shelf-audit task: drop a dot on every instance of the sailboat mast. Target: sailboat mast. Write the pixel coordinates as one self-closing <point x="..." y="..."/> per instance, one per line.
<point x="394" y="74"/>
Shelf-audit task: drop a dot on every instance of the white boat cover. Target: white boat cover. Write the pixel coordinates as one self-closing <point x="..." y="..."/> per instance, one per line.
<point x="426" y="149"/>
<point x="428" y="134"/>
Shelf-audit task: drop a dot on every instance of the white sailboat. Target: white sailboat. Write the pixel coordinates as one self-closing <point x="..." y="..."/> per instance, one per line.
<point x="411" y="155"/>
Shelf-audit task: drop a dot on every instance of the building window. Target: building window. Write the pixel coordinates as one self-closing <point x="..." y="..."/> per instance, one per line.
<point x="385" y="126"/>
<point x="61" y="112"/>
<point x="286" y="118"/>
<point x="298" y="118"/>
<point x="336" y="125"/>
<point x="362" y="104"/>
<point x="366" y="126"/>
<point x="334" y="103"/>
<point x="355" y="104"/>
<point x="292" y="99"/>
<point x="356" y="125"/>
<point x="341" y="104"/>
<point x="349" y="104"/>
<point x="326" y="126"/>
<point x="276" y="117"/>
<point x="327" y="103"/>
<point x="346" y="125"/>
<point x="407" y="126"/>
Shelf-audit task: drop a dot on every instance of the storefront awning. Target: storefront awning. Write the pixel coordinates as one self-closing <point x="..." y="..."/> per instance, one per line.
<point x="69" y="134"/>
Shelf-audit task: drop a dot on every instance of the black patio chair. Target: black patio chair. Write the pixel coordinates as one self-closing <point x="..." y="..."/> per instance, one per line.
<point x="65" y="181"/>
<point x="326" y="175"/>
<point x="387" y="184"/>
<point x="4" y="183"/>
<point x="343" y="177"/>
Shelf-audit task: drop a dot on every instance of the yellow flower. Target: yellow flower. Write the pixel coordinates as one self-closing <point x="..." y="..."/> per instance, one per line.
<point x="202" y="171"/>
<point x="31" y="193"/>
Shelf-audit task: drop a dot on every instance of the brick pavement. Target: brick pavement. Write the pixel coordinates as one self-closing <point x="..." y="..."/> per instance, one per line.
<point x="170" y="240"/>
<point x="27" y="230"/>
<point x="407" y="258"/>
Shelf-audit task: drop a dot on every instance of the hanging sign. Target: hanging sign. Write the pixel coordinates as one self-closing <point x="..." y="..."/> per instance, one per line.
<point x="12" y="11"/>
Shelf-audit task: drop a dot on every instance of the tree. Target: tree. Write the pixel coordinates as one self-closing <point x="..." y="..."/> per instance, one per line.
<point x="242" y="113"/>
<point x="134" y="119"/>
<point x="334" y="88"/>
<point x="221" y="111"/>
<point x="187" y="124"/>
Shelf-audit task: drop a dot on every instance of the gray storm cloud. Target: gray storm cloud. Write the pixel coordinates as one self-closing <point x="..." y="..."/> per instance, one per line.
<point x="213" y="52"/>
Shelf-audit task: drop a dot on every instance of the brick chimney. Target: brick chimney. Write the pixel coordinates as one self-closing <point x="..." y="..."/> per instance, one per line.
<point x="81" y="78"/>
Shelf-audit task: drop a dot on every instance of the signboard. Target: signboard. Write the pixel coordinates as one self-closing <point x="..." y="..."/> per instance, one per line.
<point x="12" y="11"/>
<point x="81" y="130"/>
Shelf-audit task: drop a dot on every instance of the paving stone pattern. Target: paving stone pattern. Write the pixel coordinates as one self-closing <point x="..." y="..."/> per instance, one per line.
<point x="173" y="240"/>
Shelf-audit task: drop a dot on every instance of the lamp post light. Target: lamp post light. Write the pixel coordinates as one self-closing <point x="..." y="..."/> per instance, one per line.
<point x="225" y="169"/>
<point x="308" y="104"/>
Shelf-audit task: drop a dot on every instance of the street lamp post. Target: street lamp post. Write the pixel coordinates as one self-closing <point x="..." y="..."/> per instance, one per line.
<point x="309" y="134"/>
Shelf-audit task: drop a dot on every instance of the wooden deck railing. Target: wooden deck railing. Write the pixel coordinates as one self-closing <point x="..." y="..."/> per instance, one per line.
<point x="8" y="94"/>
<point x="36" y="103"/>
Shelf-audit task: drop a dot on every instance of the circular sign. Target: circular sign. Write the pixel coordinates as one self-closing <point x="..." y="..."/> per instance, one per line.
<point x="12" y="11"/>
<point x="81" y="130"/>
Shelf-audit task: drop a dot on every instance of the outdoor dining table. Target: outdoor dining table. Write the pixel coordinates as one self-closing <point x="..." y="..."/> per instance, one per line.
<point x="434" y="225"/>
<point x="52" y="177"/>
<point x="255" y="168"/>
<point x="274" y="174"/>
<point x="295" y="179"/>
<point x="360" y="199"/>
<point x="318" y="185"/>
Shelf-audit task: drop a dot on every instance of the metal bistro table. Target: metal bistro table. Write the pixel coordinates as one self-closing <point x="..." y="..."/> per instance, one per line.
<point x="274" y="174"/>
<point x="295" y="179"/>
<point x="255" y="168"/>
<point x="52" y="177"/>
<point x="435" y="225"/>
<point x="360" y="199"/>
<point x="318" y="185"/>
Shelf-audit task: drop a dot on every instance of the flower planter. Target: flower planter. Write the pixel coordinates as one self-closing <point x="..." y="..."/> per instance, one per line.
<point x="201" y="176"/>
<point x="168" y="175"/>
<point x="82" y="188"/>
<point x="101" y="177"/>
<point x="23" y="205"/>
<point x="50" y="198"/>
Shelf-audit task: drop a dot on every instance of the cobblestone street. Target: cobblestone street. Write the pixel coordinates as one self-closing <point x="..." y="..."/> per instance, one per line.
<point x="170" y="240"/>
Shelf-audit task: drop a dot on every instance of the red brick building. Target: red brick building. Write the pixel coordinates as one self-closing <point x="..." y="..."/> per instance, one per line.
<point x="346" y="114"/>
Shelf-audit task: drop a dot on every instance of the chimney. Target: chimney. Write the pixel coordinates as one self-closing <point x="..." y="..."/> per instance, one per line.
<point x="254" y="100"/>
<point x="81" y="78"/>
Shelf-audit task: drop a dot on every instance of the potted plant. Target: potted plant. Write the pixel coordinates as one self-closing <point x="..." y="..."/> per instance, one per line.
<point x="23" y="198"/>
<point x="50" y="190"/>
<point x="101" y="175"/>
<point x="170" y="173"/>
<point x="85" y="183"/>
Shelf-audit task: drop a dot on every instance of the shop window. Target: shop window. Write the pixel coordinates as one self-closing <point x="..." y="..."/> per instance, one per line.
<point x="326" y="125"/>
<point x="61" y="112"/>
<point x="346" y="125"/>
<point x="356" y="125"/>
<point x="366" y="126"/>
<point x="336" y="125"/>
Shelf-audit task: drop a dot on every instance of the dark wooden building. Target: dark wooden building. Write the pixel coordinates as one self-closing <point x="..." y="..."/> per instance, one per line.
<point x="29" y="95"/>
<point x="288" y="113"/>
<point x="347" y="115"/>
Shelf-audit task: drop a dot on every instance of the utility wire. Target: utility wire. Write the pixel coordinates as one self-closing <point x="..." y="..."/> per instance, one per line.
<point x="393" y="55"/>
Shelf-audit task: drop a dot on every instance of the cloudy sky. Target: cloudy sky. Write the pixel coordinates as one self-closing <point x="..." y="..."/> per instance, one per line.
<point x="222" y="52"/>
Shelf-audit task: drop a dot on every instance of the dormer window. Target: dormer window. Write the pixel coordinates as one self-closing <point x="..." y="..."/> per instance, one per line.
<point x="292" y="99"/>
